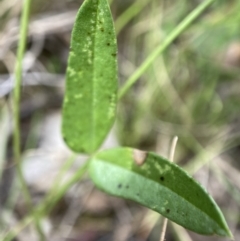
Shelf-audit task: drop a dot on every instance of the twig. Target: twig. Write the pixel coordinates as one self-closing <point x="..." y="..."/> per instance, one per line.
<point x="171" y="156"/>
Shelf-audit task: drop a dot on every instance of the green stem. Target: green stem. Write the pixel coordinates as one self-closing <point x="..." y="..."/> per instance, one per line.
<point x="170" y="38"/>
<point x="61" y="173"/>
<point x="129" y="14"/>
<point x="53" y="198"/>
<point x="17" y="97"/>
<point x="16" y="107"/>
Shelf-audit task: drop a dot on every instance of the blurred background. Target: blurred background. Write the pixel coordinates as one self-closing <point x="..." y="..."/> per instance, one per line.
<point x="192" y="91"/>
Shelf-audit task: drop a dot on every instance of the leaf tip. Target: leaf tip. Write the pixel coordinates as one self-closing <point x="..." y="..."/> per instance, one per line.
<point x="230" y="235"/>
<point x="225" y="233"/>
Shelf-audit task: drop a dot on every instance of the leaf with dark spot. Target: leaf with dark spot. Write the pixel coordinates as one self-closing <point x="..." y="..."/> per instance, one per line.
<point x="173" y="199"/>
<point x="88" y="114"/>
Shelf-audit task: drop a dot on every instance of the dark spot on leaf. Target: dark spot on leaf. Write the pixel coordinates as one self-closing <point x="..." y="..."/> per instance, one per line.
<point x="108" y="44"/>
<point x="162" y="178"/>
<point x="102" y="29"/>
<point x="127" y="186"/>
<point x="114" y="54"/>
<point x="168" y="210"/>
<point x="137" y="194"/>
<point x="120" y="185"/>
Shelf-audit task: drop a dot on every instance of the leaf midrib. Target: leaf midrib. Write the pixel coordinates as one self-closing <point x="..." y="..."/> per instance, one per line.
<point x="93" y="81"/>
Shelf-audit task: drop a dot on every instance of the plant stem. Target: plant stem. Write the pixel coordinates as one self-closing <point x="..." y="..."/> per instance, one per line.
<point x="65" y="167"/>
<point x="54" y="197"/>
<point x="169" y="39"/>
<point x="16" y="107"/>
<point x="171" y="156"/>
<point x="129" y="14"/>
<point x="17" y="97"/>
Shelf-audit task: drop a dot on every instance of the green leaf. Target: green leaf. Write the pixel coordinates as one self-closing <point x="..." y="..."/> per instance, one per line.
<point x="160" y="185"/>
<point x="91" y="83"/>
